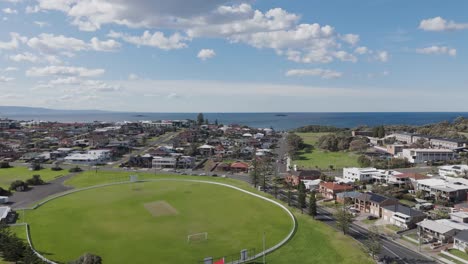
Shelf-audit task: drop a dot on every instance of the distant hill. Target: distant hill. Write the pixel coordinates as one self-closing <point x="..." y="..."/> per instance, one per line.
<point x="6" y="111"/>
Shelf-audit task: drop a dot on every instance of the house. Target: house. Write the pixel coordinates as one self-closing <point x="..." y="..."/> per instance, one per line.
<point x="361" y="174"/>
<point x="430" y="230"/>
<point x="239" y="166"/>
<point x="296" y="176"/>
<point x="329" y="190"/>
<point x="173" y="162"/>
<point x="453" y="171"/>
<point x="402" y="216"/>
<point x="395" y="148"/>
<point x="311" y="185"/>
<point x="372" y="203"/>
<point x="92" y="157"/>
<point x="343" y="197"/>
<point x="4" y="211"/>
<point x="206" y="150"/>
<point x="460" y="217"/>
<point x="460" y="240"/>
<point x="451" y="189"/>
<point x="428" y="155"/>
<point x="403" y="137"/>
<point x="398" y="179"/>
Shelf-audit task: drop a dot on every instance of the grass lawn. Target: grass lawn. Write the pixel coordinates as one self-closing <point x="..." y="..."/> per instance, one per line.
<point x="449" y="258"/>
<point x="369" y="222"/>
<point x="410" y="241"/>
<point x="317" y="243"/>
<point x="7" y="176"/>
<point x="321" y="158"/>
<point x="149" y="223"/>
<point x="459" y="253"/>
<point x="393" y="227"/>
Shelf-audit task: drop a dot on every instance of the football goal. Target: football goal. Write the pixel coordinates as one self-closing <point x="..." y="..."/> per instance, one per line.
<point x="197" y="237"/>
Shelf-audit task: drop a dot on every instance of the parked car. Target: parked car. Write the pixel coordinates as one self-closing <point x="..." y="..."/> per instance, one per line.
<point x="371" y="217"/>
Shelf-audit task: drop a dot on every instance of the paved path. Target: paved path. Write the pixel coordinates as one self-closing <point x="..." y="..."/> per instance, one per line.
<point x="37" y="193"/>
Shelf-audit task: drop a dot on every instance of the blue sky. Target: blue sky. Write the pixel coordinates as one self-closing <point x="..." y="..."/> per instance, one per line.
<point x="234" y="56"/>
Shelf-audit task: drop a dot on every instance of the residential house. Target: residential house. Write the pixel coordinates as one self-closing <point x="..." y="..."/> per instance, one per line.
<point x="173" y="162"/>
<point x="431" y="230"/>
<point x="206" y="150"/>
<point x="444" y="143"/>
<point x="329" y="190"/>
<point x="361" y="174"/>
<point x="373" y="203"/>
<point x="402" y="216"/>
<point x="394" y="149"/>
<point x="460" y="240"/>
<point x="428" y="155"/>
<point x="296" y="176"/>
<point x="239" y="166"/>
<point x="347" y="197"/>
<point x="4" y="211"/>
<point x="92" y="157"/>
<point x="453" y="171"/>
<point x="451" y="189"/>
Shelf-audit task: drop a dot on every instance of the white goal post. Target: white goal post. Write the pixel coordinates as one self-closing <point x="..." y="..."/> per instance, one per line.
<point x="197" y="237"/>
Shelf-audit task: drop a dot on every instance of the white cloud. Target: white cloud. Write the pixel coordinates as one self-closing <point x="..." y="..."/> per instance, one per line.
<point x="351" y="39"/>
<point x="345" y="56"/>
<point x="205" y="54"/>
<point x="440" y="24"/>
<point x="361" y="50"/>
<point x="29" y="57"/>
<point x="9" y="11"/>
<point x="13" y="1"/>
<point x="10" y="69"/>
<point x="32" y="9"/>
<point x="51" y="44"/>
<point x="4" y="79"/>
<point x="157" y="40"/>
<point x="382" y="56"/>
<point x="14" y="43"/>
<point x="438" y="50"/>
<point x="322" y="73"/>
<point x="64" y="71"/>
<point x="133" y="76"/>
<point x="41" y="24"/>
<point x="107" y="45"/>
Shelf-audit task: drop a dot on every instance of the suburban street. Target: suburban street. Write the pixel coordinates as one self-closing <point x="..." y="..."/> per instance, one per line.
<point x="391" y="251"/>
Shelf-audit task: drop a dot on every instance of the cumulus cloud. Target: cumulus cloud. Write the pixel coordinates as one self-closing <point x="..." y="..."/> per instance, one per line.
<point x="351" y="39"/>
<point x="9" y="11"/>
<point x="322" y="73"/>
<point x="133" y="76"/>
<point x="361" y="50"/>
<point x="156" y="40"/>
<point x="10" y="69"/>
<point x="64" y="71"/>
<point x="41" y="24"/>
<point x="438" y="50"/>
<point x="51" y="44"/>
<point x="205" y="54"/>
<point x="4" y="79"/>
<point x="29" y="57"/>
<point x="382" y="56"/>
<point x="32" y="9"/>
<point x="14" y="43"/>
<point x="440" y="24"/>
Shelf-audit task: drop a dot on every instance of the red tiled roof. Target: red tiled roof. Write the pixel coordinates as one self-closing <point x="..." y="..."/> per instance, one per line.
<point x="336" y="186"/>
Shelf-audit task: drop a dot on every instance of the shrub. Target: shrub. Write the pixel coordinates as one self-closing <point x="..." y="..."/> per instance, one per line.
<point x="408" y="197"/>
<point x="18" y="186"/>
<point x="56" y="168"/>
<point x="35" y="180"/>
<point x="35" y="166"/>
<point x="4" y="165"/>
<point x="4" y="192"/>
<point x="75" y="169"/>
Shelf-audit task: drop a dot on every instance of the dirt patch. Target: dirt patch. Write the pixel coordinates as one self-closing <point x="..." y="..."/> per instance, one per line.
<point x="160" y="208"/>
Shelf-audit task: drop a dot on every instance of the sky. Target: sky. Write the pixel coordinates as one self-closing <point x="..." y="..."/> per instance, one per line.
<point x="235" y="56"/>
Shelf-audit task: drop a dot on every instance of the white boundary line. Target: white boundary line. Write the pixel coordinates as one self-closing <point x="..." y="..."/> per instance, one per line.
<point x="261" y="254"/>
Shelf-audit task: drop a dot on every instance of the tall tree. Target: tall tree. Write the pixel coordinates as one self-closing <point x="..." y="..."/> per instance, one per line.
<point x="255" y="172"/>
<point x="373" y="241"/>
<point x="302" y="195"/>
<point x="200" y="119"/>
<point x="343" y="218"/>
<point x="312" y="205"/>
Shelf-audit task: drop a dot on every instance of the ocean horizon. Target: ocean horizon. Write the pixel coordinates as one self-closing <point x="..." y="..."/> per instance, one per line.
<point x="277" y="120"/>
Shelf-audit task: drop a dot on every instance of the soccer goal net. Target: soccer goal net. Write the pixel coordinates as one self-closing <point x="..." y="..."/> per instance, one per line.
<point x="197" y="237"/>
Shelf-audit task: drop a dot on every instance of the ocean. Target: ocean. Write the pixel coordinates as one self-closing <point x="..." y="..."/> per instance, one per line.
<point x="279" y="121"/>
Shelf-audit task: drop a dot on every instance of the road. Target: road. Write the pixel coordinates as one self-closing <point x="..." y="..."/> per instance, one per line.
<point x="391" y="252"/>
<point x="282" y="152"/>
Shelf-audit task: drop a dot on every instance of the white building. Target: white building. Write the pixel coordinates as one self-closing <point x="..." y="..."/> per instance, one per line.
<point x="182" y="162"/>
<point x="453" y="171"/>
<point x="92" y="157"/>
<point x="453" y="189"/>
<point x="361" y="174"/>
<point x="428" y="155"/>
<point x="4" y="211"/>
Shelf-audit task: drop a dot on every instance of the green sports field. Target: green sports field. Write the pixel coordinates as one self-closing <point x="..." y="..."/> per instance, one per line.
<point x="7" y="176"/>
<point x="149" y="223"/>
